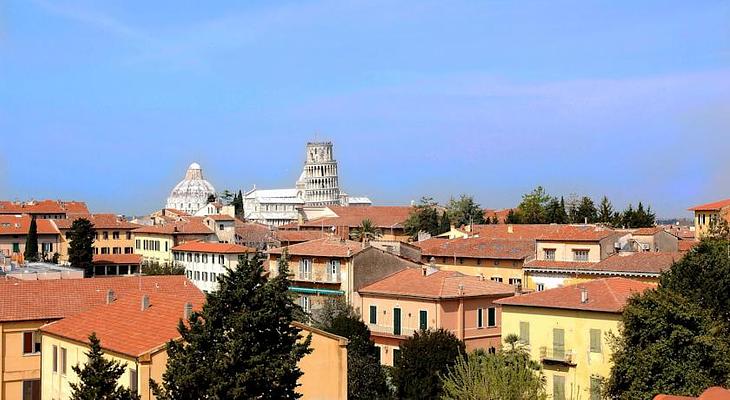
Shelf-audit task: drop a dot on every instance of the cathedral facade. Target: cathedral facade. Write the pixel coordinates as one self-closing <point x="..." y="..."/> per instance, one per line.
<point x="191" y="194"/>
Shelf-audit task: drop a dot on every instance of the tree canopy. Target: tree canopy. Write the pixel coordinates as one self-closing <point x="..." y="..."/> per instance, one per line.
<point x="31" y="242"/>
<point x="80" y="250"/>
<point x="464" y="211"/>
<point x="423" y="218"/>
<point x="366" y="232"/>
<point x="98" y="377"/>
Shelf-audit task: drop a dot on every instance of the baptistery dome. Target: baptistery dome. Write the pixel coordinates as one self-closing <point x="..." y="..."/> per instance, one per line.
<point x="191" y="194"/>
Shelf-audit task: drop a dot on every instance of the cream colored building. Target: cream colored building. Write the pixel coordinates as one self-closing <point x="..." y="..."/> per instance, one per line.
<point x="204" y="262"/>
<point x="708" y="214"/>
<point x="154" y="243"/>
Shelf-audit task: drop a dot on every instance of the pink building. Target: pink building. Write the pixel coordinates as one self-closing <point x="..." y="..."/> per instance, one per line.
<point x="426" y="298"/>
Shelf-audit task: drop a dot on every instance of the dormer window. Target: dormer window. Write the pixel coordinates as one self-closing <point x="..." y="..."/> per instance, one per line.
<point x="549" y="254"/>
<point x="580" y="255"/>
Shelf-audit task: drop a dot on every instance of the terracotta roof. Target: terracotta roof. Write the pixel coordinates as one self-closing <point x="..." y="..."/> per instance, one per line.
<point x="714" y="206"/>
<point x="638" y="263"/>
<point x="298" y="236"/>
<point x="437" y="285"/>
<point x="325" y="247"/>
<point x="208" y="247"/>
<point x="713" y="393"/>
<point x="22" y="300"/>
<point x="125" y="328"/>
<point x="567" y="265"/>
<point x="604" y="295"/>
<point x="578" y="233"/>
<point x="220" y="217"/>
<point x="100" y="221"/>
<point x="686" y="245"/>
<point x="19" y="225"/>
<point x="43" y="207"/>
<point x="381" y="216"/>
<point x="191" y="227"/>
<point x="117" y="259"/>
<point x="647" y="231"/>
<point x="252" y="232"/>
<point x="477" y="248"/>
<point x="527" y="231"/>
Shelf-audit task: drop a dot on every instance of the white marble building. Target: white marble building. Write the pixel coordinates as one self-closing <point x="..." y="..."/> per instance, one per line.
<point x="191" y="194"/>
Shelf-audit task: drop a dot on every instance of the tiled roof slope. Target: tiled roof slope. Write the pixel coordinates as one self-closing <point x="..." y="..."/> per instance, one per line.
<point x="381" y="216"/>
<point x="326" y="247"/>
<point x="604" y="295"/>
<point x="124" y="327"/>
<point x="117" y="259"/>
<point x="714" y="206"/>
<point x="298" y="236"/>
<point x="640" y="262"/>
<point x="19" y="225"/>
<point x="713" y="393"/>
<point x="194" y="226"/>
<point x="540" y="231"/>
<point x="43" y="207"/>
<point x="100" y="221"/>
<point x="438" y="285"/>
<point x="207" y="247"/>
<point x="477" y="248"/>
<point x="22" y="300"/>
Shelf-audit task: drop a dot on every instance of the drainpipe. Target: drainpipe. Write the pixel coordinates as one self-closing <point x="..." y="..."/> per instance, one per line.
<point x="461" y="319"/>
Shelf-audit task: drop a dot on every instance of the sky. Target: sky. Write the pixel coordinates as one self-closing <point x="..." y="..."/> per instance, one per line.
<point x="109" y="102"/>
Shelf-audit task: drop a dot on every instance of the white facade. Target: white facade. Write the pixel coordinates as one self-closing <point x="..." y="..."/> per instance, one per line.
<point x="203" y="268"/>
<point x="191" y="194"/>
<point x="272" y="207"/>
<point x="319" y="181"/>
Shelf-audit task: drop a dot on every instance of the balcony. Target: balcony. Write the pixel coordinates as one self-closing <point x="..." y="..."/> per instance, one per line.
<point x="554" y="355"/>
<point x="317" y="277"/>
<point x="388" y="330"/>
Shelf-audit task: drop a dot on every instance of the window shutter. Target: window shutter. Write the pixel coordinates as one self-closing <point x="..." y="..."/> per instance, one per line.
<point x="373" y="314"/>
<point x="492" y="316"/>
<point x="595" y="340"/>
<point x="423" y="320"/>
<point x="558" y="343"/>
<point x="525" y="332"/>
<point x="558" y="387"/>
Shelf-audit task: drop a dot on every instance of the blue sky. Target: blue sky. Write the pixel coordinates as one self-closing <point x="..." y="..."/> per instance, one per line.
<point x="109" y="102"/>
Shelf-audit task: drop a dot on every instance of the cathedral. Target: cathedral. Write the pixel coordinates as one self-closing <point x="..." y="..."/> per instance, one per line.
<point x="191" y="194"/>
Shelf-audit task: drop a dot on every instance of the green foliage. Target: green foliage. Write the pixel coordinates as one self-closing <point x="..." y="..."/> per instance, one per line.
<point x="155" y="268"/>
<point x="226" y="197"/>
<point x="532" y="209"/>
<point x="425" y="357"/>
<point x="639" y="218"/>
<point x="512" y="218"/>
<point x="605" y="212"/>
<point x="585" y="211"/>
<point x="98" y="377"/>
<point x="242" y="345"/>
<point x="31" y="243"/>
<point x="367" y="379"/>
<point x="667" y="344"/>
<point x="444" y="223"/>
<point x="423" y="218"/>
<point x="509" y="374"/>
<point x="80" y="250"/>
<point x="238" y="204"/>
<point x="555" y="211"/>
<point x="365" y="232"/>
<point x="464" y="211"/>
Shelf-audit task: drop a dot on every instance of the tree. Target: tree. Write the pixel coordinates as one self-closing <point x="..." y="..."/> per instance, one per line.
<point x="366" y="232"/>
<point x="586" y="211"/>
<point x="98" y="377"/>
<point x="444" y="223"/>
<point x="242" y="344"/>
<point x="155" y="268"/>
<point x="367" y="379"/>
<point x="424" y="357"/>
<point x="226" y="196"/>
<point x="639" y="218"/>
<point x="667" y="344"/>
<point x="464" y="211"/>
<point x="512" y="218"/>
<point x="80" y="250"/>
<point x="423" y="218"/>
<point x="532" y="208"/>
<point x="509" y="374"/>
<point x="211" y="198"/>
<point x="31" y="243"/>
<point x="555" y="211"/>
<point x="605" y="212"/>
<point x="238" y="204"/>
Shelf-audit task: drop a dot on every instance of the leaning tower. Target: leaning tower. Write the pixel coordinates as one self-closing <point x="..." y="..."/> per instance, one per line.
<point x="318" y="183"/>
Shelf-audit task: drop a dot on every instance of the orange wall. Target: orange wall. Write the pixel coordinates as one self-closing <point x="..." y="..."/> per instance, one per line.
<point x="14" y="366"/>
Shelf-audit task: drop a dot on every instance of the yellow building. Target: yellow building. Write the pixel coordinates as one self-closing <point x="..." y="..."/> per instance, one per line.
<point x="707" y="214"/>
<point x="154" y="243"/>
<point x="566" y="328"/>
<point x="113" y="235"/>
<point x="325" y="368"/>
<point x="29" y="304"/>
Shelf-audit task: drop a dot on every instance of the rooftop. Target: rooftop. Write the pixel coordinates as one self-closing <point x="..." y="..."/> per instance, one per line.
<point x="714" y="206"/>
<point x="603" y="295"/>
<point x="298" y="236"/>
<point x="478" y="247"/>
<point x="117" y="259"/>
<point x="383" y="217"/>
<point x="412" y="282"/>
<point x="208" y="247"/>
<point x="100" y="221"/>
<point x="19" y="225"/>
<point x="193" y="226"/>
<point x="43" y="207"/>
<point x="652" y="263"/>
<point x="325" y="247"/>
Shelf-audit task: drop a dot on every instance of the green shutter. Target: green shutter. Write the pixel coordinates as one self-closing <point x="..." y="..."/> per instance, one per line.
<point x="423" y="320"/>
<point x="396" y="321"/>
<point x="492" y="316"/>
<point x="595" y="340"/>
<point x="373" y="314"/>
<point x="480" y="318"/>
<point x="595" y="388"/>
<point x="558" y="343"/>
<point x="558" y="387"/>
<point x="396" y="356"/>
<point x="525" y="332"/>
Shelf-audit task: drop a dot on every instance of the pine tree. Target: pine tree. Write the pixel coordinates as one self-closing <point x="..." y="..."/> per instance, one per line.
<point x="242" y="345"/>
<point x="31" y="243"/>
<point x="586" y="211"/>
<point x="555" y="211"/>
<point x="80" y="250"/>
<point x="605" y="211"/>
<point x="444" y="223"/>
<point x="98" y="377"/>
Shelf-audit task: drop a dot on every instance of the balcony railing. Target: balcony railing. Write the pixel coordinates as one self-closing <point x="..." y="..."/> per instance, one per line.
<point x="388" y="329"/>
<point x="554" y="355"/>
<point x="316" y="277"/>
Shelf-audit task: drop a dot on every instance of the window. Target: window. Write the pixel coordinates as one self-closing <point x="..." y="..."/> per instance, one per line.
<point x="220" y="227"/>
<point x="525" y="332"/>
<point x="496" y="279"/>
<point x="549" y="254"/>
<point x="46" y="247"/>
<point x="373" y="314"/>
<point x="378" y="350"/>
<point x="158" y="245"/>
<point x="595" y="389"/>
<point x="558" y="387"/>
<point x="221" y="259"/>
<point x="16" y="247"/>
<point x="305" y="303"/>
<point x="197" y="257"/>
<point x="333" y="270"/>
<point x="396" y="321"/>
<point x="515" y="281"/>
<point x="189" y="256"/>
<point x="558" y="343"/>
<point x="461" y="260"/>
<point x="133" y="380"/>
<point x="396" y="356"/>
<point x="595" y="340"/>
<point x="105" y="235"/>
<point x="480" y="318"/>
<point x="31" y="343"/>
<point x="197" y="275"/>
<point x="205" y="258"/>
<point x="540" y="287"/>
<point x="129" y="235"/>
<point x="63" y="361"/>
<point x="496" y="262"/>
<point x="423" y="320"/>
<point x="32" y="390"/>
<point x="115" y="235"/>
<point x="116" y="250"/>
<point x="205" y="276"/>
<point x="491" y="317"/>
<point x="104" y="250"/>
<point x="580" y="255"/>
<point x="55" y="358"/>
<point x="305" y="269"/>
<point x="189" y="274"/>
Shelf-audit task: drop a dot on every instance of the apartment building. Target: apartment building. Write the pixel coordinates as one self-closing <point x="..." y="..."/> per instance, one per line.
<point x="223" y="225"/>
<point x="341" y="221"/>
<point x="154" y="243"/>
<point x="705" y="215"/>
<point x="14" y="231"/>
<point x="204" y="261"/>
<point x="112" y="236"/>
<point x="566" y="328"/>
<point x="44" y="209"/>
<point x="425" y="298"/>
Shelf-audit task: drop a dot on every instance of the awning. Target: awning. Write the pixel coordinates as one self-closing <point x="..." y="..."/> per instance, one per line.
<point x="328" y="292"/>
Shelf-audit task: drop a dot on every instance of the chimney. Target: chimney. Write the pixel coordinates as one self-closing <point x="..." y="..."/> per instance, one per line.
<point x="510" y="229"/>
<point x="424" y="270"/>
<point x="583" y="295"/>
<point x="145" y="302"/>
<point x="461" y="289"/>
<point x="110" y="296"/>
<point x="481" y="277"/>
<point x="187" y="310"/>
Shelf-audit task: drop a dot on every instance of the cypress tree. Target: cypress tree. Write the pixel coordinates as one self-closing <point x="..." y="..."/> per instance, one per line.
<point x="80" y="250"/>
<point x="31" y="243"/>
<point x="98" y="377"/>
<point x="242" y="345"/>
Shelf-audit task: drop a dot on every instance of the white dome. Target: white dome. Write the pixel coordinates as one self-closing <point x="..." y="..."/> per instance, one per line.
<point x="191" y="194"/>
